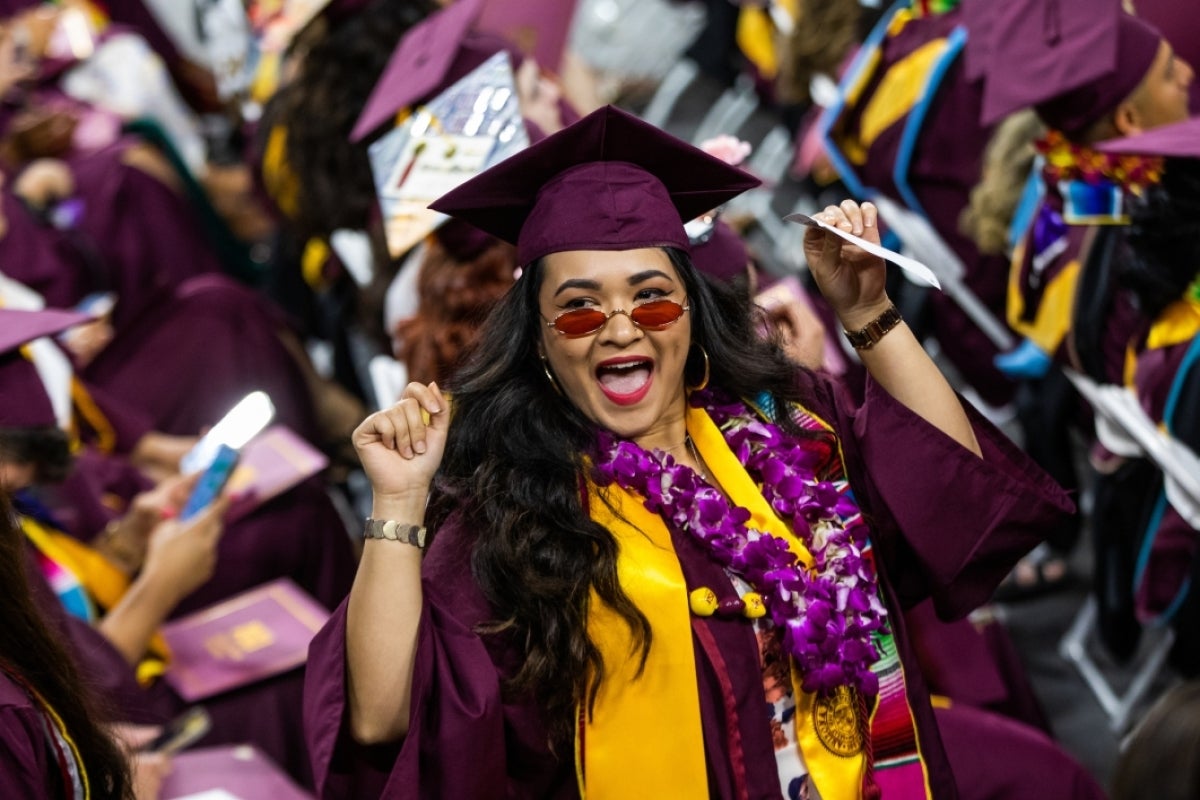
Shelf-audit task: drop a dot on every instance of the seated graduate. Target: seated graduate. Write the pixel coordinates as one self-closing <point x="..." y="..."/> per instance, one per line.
<point x="104" y="502"/>
<point x="1158" y="544"/>
<point x="463" y="274"/>
<point x="107" y="199"/>
<point x="53" y="743"/>
<point x="1060" y="294"/>
<point x="639" y="513"/>
<point x="109" y="591"/>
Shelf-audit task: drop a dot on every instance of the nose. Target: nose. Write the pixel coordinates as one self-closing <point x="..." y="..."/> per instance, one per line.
<point x="1186" y="73"/>
<point x="619" y="328"/>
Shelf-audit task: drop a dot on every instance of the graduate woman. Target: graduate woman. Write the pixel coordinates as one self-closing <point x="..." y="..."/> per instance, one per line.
<point x="653" y="548"/>
<point x="52" y="743"/>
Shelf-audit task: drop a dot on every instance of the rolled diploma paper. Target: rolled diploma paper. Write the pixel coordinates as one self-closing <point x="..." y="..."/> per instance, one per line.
<point x="913" y="267"/>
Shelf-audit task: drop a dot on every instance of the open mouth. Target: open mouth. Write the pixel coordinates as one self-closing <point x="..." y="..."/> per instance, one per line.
<point x="625" y="380"/>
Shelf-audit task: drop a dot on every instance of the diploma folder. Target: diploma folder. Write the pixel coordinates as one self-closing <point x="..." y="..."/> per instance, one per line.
<point x="248" y="638"/>
<point x="271" y="463"/>
<point x="232" y="772"/>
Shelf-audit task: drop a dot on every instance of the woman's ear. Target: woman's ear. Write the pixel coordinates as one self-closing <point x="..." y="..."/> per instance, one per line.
<point x="1126" y="119"/>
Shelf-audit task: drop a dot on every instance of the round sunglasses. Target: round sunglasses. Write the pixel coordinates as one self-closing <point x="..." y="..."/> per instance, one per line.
<point x="653" y="316"/>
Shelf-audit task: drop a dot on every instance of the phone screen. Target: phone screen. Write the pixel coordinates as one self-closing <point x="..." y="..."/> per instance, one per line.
<point x="211" y="482"/>
<point x="241" y="424"/>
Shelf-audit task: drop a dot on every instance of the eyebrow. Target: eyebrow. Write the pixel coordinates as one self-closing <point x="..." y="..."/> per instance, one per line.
<point x="577" y="283"/>
<point x="594" y="286"/>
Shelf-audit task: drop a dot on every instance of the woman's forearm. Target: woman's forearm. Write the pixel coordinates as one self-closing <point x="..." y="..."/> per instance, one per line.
<point x="381" y="628"/>
<point x="900" y="365"/>
<point x="130" y="624"/>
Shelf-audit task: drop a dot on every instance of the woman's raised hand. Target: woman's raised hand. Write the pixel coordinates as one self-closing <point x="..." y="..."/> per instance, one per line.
<point x="401" y="447"/>
<point x="851" y="279"/>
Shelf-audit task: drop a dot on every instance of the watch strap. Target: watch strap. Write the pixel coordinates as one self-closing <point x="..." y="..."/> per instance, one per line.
<point x="867" y="337"/>
<point x="395" y="532"/>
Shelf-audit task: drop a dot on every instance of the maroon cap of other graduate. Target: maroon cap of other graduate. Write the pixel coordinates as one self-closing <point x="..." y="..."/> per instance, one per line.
<point x="432" y="55"/>
<point x="24" y="402"/>
<point x="1073" y="60"/>
<point x="608" y="182"/>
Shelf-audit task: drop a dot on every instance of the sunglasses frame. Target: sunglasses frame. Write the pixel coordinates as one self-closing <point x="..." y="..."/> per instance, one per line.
<point x="683" y="309"/>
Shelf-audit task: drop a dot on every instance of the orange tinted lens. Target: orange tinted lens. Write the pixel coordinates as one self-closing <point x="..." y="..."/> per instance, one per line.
<point x="579" y="322"/>
<point x="657" y="314"/>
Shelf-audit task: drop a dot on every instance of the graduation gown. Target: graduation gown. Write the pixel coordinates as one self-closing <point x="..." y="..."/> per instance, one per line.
<point x="147" y="237"/>
<point x="134" y="236"/>
<point x="28" y="763"/>
<point x="928" y="156"/>
<point x="1163" y="372"/>
<point x="196" y="351"/>
<point x="946" y="526"/>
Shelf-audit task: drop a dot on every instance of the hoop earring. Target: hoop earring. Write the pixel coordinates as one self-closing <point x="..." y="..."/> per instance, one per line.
<point x="550" y="375"/>
<point x="703" y="381"/>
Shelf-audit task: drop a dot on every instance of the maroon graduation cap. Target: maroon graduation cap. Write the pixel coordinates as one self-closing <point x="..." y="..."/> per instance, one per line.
<point x="433" y="54"/>
<point x="24" y="402"/>
<point x="1072" y="60"/>
<point x="1178" y="140"/>
<point x="608" y="182"/>
<point x="723" y="255"/>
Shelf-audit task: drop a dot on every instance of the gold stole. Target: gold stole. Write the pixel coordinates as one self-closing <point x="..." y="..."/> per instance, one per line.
<point x="1178" y="323"/>
<point x="103" y="582"/>
<point x="646" y="730"/>
<point x="1052" y="319"/>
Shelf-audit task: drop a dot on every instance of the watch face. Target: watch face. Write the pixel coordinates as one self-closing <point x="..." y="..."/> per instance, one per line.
<point x="875" y="329"/>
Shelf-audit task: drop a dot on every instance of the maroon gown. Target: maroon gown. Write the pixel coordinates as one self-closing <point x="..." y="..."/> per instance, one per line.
<point x="943" y="166"/>
<point x="134" y="237"/>
<point x="946" y="526"/>
<point x="193" y="354"/>
<point x="28" y="765"/>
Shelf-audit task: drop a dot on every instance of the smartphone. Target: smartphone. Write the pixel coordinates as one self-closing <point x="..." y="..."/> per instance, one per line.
<point x="208" y="487"/>
<point x="182" y="731"/>
<point x="241" y="424"/>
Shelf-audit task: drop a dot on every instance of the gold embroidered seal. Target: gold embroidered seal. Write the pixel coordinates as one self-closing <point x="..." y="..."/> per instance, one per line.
<point x="835" y="718"/>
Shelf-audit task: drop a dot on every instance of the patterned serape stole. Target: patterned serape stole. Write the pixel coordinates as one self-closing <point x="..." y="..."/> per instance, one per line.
<point x="931" y="8"/>
<point x="53" y="563"/>
<point x="86" y="584"/>
<point x="827" y="726"/>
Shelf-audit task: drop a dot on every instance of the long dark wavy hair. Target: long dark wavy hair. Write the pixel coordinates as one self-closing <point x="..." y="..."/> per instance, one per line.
<point x="1165" y="238"/>
<point x="34" y="656"/>
<point x="514" y="467"/>
<point x="322" y="103"/>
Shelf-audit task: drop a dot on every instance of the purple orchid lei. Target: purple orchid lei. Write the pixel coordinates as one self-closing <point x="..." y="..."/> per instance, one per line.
<point x="829" y="613"/>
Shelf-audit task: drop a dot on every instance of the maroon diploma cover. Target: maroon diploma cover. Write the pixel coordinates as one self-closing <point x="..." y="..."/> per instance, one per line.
<point x="247" y="638"/>
<point x="271" y="463"/>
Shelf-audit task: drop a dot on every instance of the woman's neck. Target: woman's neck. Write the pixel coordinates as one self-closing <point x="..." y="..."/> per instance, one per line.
<point x="672" y="437"/>
<point x="669" y="434"/>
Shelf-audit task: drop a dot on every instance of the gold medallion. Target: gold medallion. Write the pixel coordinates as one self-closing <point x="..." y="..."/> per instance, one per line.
<point x="835" y="718"/>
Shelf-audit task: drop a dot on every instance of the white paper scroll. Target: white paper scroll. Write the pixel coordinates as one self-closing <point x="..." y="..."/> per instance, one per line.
<point x="913" y="267"/>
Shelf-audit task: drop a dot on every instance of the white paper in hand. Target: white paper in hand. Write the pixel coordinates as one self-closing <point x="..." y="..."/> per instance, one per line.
<point x="913" y="267"/>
